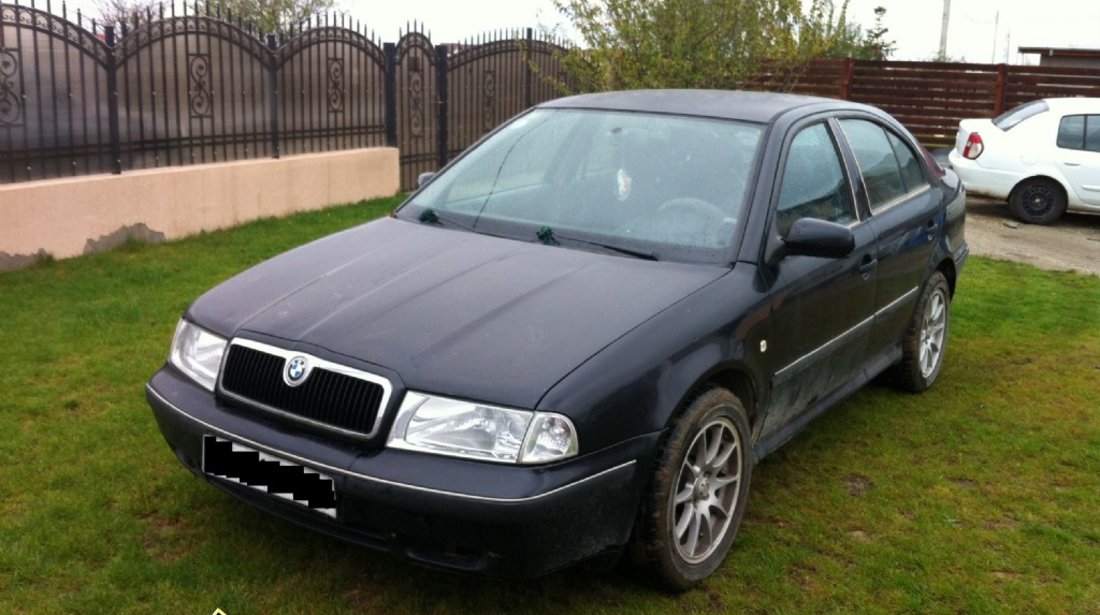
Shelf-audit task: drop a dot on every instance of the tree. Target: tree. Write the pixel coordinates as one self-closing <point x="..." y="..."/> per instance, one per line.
<point x="124" y="11"/>
<point x="630" y="44"/>
<point x="875" y="40"/>
<point x="267" y="16"/>
<point x="277" y="16"/>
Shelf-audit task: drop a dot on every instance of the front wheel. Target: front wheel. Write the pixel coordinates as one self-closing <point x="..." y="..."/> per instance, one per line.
<point x="697" y="495"/>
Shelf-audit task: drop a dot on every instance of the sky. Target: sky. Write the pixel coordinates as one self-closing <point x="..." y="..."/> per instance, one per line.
<point x="976" y="33"/>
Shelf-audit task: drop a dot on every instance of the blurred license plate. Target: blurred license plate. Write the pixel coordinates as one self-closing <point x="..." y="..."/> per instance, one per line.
<point x="273" y="475"/>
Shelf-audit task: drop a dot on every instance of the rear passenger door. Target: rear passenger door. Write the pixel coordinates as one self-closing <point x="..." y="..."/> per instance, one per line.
<point x="906" y="215"/>
<point x="1078" y="155"/>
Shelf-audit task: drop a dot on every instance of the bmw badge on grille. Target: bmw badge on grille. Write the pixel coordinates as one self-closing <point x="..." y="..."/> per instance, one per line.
<point x="297" y="368"/>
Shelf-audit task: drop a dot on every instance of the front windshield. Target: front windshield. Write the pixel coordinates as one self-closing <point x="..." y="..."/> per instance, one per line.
<point x="672" y="187"/>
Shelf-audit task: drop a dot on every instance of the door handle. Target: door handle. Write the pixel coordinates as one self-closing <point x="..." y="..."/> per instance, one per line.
<point x="867" y="265"/>
<point x="930" y="229"/>
<point x="1072" y="164"/>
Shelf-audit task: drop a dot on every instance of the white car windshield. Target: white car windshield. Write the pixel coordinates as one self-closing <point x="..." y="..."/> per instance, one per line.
<point x="670" y="187"/>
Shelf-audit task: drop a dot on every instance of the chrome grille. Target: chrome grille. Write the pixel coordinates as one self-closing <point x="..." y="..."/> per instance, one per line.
<point x="332" y="396"/>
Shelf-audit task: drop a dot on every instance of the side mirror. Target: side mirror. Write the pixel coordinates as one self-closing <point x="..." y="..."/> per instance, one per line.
<point x="424" y="178"/>
<point x="814" y="237"/>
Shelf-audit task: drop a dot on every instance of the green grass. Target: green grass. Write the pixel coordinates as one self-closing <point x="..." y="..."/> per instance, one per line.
<point x="980" y="496"/>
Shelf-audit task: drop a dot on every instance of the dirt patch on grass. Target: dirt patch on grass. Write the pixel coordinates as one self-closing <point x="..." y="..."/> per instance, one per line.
<point x="1000" y="525"/>
<point x="858" y="485"/>
<point x="166" y="538"/>
<point x="860" y="536"/>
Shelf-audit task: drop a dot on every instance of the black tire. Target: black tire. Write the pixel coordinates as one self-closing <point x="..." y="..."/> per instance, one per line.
<point x="656" y="553"/>
<point x="1038" y="201"/>
<point x="915" y="373"/>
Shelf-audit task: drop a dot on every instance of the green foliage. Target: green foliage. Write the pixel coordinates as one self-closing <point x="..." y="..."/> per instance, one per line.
<point x="629" y="44"/>
<point x="827" y="33"/>
<point x="278" y="16"/>
<point x="632" y="44"/>
<point x="874" y="40"/>
<point x="265" y="16"/>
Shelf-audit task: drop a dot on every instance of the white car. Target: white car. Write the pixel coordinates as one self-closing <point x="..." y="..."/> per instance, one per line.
<point x="1043" y="157"/>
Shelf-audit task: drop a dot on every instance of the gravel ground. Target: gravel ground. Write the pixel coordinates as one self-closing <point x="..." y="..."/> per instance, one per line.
<point x="1071" y="243"/>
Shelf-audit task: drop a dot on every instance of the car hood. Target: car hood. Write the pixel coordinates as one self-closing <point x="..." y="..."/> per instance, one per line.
<point x="451" y="312"/>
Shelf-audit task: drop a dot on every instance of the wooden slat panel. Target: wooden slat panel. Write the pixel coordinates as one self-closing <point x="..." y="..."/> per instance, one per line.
<point x="930" y="98"/>
<point x="1091" y="81"/>
<point x="925" y="66"/>
<point x="950" y="106"/>
<point x="1068" y="71"/>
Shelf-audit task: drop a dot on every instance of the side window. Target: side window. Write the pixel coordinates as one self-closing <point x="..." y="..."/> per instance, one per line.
<point x="813" y="181"/>
<point x="1092" y="133"/>
<point x="1071" y="132"/>
<point x="911" y="173"/>
<point x="877" y="163"/>
<point x="1079" y="132"/>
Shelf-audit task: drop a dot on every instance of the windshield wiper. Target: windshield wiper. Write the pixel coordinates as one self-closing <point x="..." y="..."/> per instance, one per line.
<point x="547" y="236"/>
<point x="431" y="216"/>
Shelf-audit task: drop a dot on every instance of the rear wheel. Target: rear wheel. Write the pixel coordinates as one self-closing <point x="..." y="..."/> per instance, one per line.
<point x="922" y="348"/>
<point x="697" y="496"/>
<point x="1038" y="201"/>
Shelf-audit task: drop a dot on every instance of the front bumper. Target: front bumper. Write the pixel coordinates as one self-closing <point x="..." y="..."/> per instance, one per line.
<point x="461" y="515"/>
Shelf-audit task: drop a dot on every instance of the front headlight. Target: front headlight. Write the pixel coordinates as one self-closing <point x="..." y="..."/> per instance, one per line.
<point x="197" y="353"/>
<point x="456" y="428"/>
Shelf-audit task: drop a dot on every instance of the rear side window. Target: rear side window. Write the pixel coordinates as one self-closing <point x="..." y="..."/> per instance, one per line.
<point x="1079" y="132"/>
<point x="1012" y="117"/>
<point x="877" y="163"/>
<point x="910" y="165"/>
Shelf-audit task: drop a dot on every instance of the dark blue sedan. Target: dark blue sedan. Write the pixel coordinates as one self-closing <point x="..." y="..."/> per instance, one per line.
<point x="576" y="340"/>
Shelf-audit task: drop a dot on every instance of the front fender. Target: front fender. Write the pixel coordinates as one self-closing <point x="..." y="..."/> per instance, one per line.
<point x="638" y="383"/>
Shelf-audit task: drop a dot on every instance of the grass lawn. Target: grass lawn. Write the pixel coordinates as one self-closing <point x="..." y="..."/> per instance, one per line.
<point x="980" y="496"/>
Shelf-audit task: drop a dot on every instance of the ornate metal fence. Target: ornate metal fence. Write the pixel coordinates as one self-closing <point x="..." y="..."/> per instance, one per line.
<point x="202" y="86"/>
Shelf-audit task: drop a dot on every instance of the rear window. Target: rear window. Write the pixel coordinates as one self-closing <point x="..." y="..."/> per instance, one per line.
<point x="1009" y="119"/>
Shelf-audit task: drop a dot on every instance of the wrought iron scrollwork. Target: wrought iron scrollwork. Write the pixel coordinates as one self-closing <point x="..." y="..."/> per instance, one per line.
<point x="489" y="100"/>
<point x="37" y="20"/>
<point x="335" y="85"/>
<point x="416" y="102"/>
<point x="11" y="103"/>
<point x="199" y="99"/>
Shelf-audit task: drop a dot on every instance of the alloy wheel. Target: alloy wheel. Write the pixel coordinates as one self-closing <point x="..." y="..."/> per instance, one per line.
<point x="707" y="491"/>
<point x="933" y="330"/>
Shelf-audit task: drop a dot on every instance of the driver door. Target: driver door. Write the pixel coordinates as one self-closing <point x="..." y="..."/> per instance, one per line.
<point x="823" y="308"/>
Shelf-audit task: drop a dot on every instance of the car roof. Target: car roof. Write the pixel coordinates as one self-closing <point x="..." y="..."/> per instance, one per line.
<point x="761" y="107"/>
<point x="1073" y="104"/>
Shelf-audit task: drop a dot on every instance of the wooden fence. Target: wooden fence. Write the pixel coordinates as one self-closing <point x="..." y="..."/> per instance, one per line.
<point x="930" y="98"/>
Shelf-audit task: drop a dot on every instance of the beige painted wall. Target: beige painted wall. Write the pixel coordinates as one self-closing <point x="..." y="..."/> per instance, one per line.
<point x="69" y="217"/>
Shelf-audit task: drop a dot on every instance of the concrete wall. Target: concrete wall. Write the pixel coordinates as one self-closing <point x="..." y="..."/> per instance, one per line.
<point x="80" y="215"/>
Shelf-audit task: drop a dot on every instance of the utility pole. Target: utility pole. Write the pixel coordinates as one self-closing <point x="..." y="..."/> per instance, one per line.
<point x="943" y="29"/>
<point x="996" y="28"/>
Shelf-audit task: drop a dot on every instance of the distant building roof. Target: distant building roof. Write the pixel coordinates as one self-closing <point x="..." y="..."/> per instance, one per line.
<point x="1062" y="52"/>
